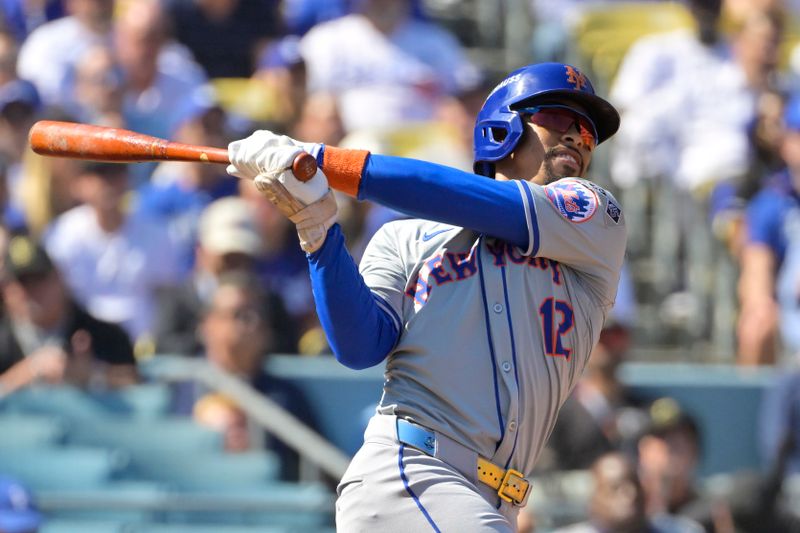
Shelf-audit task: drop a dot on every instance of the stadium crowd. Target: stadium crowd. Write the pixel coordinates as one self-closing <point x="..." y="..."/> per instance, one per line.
<point x="105" y="265"/>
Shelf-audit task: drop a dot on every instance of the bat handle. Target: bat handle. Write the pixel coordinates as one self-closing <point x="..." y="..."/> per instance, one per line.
<point x="304" y="166"/>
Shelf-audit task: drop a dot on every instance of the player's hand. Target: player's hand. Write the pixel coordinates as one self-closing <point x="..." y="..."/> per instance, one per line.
<point x="252" y="156"/>
<point x="310" y="205"/>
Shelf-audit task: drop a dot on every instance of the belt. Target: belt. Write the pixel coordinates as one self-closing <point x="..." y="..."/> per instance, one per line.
<point x="510" y="484"/>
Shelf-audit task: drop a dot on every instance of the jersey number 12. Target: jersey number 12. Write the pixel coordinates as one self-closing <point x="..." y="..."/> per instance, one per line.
<point x="557" y="320"/>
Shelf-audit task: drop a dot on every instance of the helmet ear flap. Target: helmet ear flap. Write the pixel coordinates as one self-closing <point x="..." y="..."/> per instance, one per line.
<point x="497" y="136"/>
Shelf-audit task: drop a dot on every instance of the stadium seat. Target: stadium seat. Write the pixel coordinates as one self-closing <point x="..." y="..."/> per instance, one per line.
<point x="204" y="470"/>
<point x="62" y="468"/>
<point x="173" y="433"/>
<point x="65" y="402"/>
<point x="150" y="400"/>
<point x="115" y="502"/>
<point x="146" y="400"/>
<point x="19" y="430"/>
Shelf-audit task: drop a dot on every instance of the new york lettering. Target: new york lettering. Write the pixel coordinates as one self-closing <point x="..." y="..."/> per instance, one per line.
<point x="459" y="266"/>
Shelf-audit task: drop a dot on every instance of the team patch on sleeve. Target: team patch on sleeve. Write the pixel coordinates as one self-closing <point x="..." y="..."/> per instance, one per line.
<point x="575" y="201"/>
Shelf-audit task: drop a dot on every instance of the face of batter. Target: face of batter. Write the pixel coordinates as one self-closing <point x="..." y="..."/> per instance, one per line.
<point x="545" y="155"/>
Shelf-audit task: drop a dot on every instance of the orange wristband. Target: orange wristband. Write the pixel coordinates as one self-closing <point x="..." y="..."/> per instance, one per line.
<point x="343" y="168"/>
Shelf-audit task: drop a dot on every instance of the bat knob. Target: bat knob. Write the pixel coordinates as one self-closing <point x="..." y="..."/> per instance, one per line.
<point x="304" y="166"/>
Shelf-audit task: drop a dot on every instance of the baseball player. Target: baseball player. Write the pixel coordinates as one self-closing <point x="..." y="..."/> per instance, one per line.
<point x="484" y="309"/>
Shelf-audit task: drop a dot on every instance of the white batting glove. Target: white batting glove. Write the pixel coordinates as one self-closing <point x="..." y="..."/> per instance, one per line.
<point x="249" y="157"/>
<point x="276" y="163"/>
<point x="310" y="205"/>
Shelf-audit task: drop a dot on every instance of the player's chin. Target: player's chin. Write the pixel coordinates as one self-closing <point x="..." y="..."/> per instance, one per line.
<point x="565" y="169"/>
<point x="554" y="173"/>
<point x="561" y="167"/>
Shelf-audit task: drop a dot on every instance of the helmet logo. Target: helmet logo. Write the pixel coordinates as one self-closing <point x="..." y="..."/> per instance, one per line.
<point x="575" y="77"/>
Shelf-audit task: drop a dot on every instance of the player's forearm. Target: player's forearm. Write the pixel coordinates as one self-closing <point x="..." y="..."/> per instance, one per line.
<point x="430" y="191"/>
<point x="360" y="333"/>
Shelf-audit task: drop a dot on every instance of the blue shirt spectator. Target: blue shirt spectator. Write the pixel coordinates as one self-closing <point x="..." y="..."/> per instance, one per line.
<point x="773" y="214"/>
<point x="772" y="219"/>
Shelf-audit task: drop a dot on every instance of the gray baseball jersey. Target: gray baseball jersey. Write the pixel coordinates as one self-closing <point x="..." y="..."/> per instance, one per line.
<point x="494" y="337"/>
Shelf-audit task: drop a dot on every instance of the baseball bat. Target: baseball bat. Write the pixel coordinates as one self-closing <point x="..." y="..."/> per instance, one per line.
<point x="100" y="143"/>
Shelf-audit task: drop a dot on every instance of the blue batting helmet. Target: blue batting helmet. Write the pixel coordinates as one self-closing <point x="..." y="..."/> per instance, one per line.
<point x="499" y="126"/>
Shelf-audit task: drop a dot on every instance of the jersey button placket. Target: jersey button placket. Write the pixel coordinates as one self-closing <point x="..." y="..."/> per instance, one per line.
<point x="506" y="366"/>
<point x="498" y="308"/>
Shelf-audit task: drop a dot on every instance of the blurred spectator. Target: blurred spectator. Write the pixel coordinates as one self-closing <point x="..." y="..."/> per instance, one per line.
<point x="179" y="191"/>
<point x="156" y="100"/>
<point x="113" y="262"/>
<point x="225" y="36"/>
<point x="222" y="414"/>
<point x="755" y="49"/>
<point x="766" y="136"/>
<point x="235" y="331"/>
<point x="385" y="66"/>
<point x="94" y="86"/>
<point x="46" y="336"/>
<point x="693" y="134"/>
<point x="669" y="452"/>
<point x="24" y="16"/>
<point x="19" y="104"/>
<point x="18" y="511"/>
<point x="618" y="503"/>
<point x="49" y="52"/>
<point x="771" y="226"/>
<point x="227" y="241"/>
<point x="283" y="268"/>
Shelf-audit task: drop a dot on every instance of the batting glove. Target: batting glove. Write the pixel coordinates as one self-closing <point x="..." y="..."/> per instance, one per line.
<point x="249" y="157"/>
<point x="310" y="205"/>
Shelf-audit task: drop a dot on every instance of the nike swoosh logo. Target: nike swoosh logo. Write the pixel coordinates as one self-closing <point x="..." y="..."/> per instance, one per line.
<point x="428" y="236"/>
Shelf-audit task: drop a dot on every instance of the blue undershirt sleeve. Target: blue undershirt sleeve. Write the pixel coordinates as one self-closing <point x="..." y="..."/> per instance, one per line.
<point x="360" y="333"/>
<point x="436" y="192"/>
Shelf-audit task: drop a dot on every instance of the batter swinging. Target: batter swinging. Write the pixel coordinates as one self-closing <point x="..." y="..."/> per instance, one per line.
<point x="484" y="309"/>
